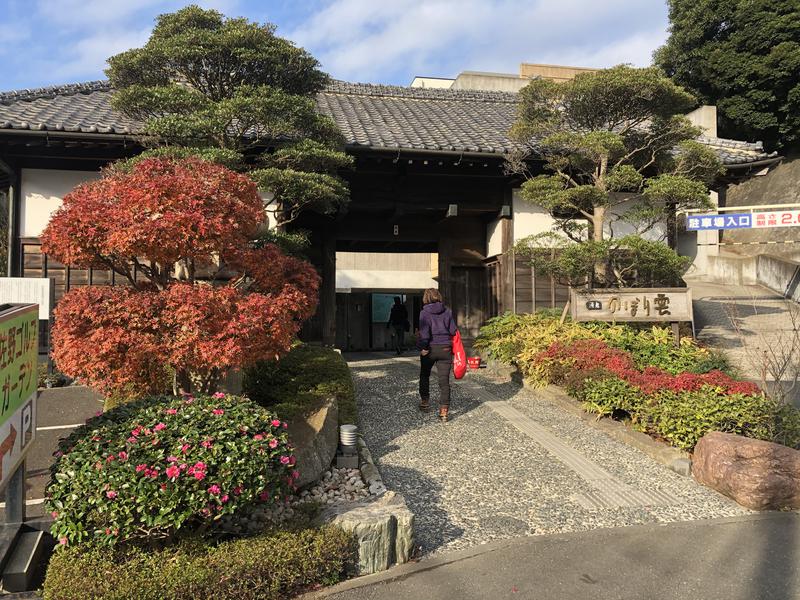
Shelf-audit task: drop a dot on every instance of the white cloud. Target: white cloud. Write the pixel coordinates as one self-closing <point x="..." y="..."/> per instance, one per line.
<point x="366" y="40"/>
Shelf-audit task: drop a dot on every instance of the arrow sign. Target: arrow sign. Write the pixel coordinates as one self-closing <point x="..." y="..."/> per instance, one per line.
<point x="7" y="446"/>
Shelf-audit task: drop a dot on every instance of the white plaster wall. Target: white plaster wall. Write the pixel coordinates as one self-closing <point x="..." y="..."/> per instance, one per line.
<point x="623" y="228"/>
<point x="494" y="239"/>
<point x="348" y="279"/>
<point x="42" y="191"/>
<point x="529" y="219"/>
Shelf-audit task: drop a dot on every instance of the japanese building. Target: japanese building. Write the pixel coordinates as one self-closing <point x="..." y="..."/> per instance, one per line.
<point x="431" y="202"/>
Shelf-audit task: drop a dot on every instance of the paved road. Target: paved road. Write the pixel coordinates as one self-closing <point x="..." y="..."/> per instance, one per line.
<point x="745" y="558"/>
<point x="750" y="322"/>
<point x="510" y="464"/>
<point x="59" y="410"/>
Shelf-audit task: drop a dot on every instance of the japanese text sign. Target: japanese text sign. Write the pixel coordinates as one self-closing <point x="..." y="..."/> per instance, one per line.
<point x="729" y="221"/>
<point x="19" y="346"/>
<point x="632" y="304"/>
<point x="776" y="218"/>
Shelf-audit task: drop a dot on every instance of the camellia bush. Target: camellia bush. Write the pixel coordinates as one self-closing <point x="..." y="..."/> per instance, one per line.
<point x="145" y="470"/>
<point x="200" y="298"/>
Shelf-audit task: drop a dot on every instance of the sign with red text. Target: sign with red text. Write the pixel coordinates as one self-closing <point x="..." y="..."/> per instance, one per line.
<point x="776" y="218"/>
<point x="19" y="347"/>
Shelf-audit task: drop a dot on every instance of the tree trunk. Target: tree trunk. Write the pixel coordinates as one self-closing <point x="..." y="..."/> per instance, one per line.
<point x="601" y="267"/>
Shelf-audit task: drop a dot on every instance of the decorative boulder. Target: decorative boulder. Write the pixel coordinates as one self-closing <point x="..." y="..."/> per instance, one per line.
<point x="758" y="475"/>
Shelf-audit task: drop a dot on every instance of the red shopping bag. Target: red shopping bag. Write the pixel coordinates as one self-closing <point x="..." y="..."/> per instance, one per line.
<point x="459" y="356"/>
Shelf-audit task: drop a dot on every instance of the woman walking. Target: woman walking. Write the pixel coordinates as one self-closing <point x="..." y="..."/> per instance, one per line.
<point x="435" y="343"/>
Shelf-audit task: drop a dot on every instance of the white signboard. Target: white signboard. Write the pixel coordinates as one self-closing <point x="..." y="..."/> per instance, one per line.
<point x="29" y="290"/>
<point x="647" y="305"/>
<point x="776" y="218"/>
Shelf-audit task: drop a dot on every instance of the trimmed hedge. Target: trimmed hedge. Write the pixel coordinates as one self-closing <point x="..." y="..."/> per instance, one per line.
<point x="301" y="381"/>
<point x="271" y="566"/>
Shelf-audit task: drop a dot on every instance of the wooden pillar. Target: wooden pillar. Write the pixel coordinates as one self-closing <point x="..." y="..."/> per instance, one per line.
<point x="445" y="251"/>
<point x="327" y="292"/>
<point x="507" y="260"/>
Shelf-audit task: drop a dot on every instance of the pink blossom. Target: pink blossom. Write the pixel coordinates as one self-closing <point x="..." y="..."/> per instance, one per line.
<point x="224" y="499"/>
<point x="173" y="472"/>
<point x="284" y="460"/>
<point x="188" y="400"/>
<point x="54" y="514"/>
<point x="218" y="411"/>
<point x="132" y="440"/>
<point x="163" y="486"/>
<point x="183" y="466"/>
<point x="214" y="490"/>
<point x="285" y="425"/>
<point x="136" y="431"/>
<point x="258" y="437"/>
<point x="159" y="427"/>
<point x="276" y="423"/>
<point x="292" y="460"/>
<point x="199" y="475"/>
<point x="98" y="413"/>
<point x="58" y="454"/>
<point x="206" y="443"/>
<point x="172" y="459"/>
<point x="62" y="540"/>
<point x="111" y="494"/>
<point x="295" y="474"/>
<point x="218" y="395"/>
<point x="110" y="457"/>
<point x="108" y="531"/>
<point x="273" y="443"/>
<point x="123" y="455"/>
<point x="141" y="467"/>
<point x="171" y="411"/>
<point x="185" y="448"/>
<point x="237" y="490"/>
<point x="205" y="512"/>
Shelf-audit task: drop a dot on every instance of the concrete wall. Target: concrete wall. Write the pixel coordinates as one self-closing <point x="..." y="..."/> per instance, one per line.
<point x="706" y="118"/>
<point x="42" y="192"/>
<point x="554" y="72"/>
<point x="529" y="219"/>
<point x="778" y="273"/>
<point x="781" y="185"/>
<point x="496" y="82"/>
<point x="385" y="271"/>
<point x="494" y="238"/>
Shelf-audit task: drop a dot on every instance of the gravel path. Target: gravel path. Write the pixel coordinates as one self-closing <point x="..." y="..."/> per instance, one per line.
<point x="477" y="478"/>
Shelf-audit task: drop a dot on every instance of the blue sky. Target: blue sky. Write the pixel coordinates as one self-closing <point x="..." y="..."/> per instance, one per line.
<point x="45" y="42"/>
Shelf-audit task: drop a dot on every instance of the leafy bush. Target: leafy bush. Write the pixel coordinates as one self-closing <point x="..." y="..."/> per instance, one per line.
<point x="575" y="381"/>
<point x="683" y="418"/>
<point x="265" y="567"/>
<point x="607" y="395"/>
<point x="146" y="470"/>
<point x="301" y="382"/>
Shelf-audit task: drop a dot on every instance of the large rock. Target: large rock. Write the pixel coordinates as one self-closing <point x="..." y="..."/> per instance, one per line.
<point x="315" y="439"/>
<point x="383" y="528"/>
<point x="758" y="475"/>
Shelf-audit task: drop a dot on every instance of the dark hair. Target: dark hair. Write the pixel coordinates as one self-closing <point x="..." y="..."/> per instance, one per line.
<point x="397" y="300"/>
<point x="432" y="295"/>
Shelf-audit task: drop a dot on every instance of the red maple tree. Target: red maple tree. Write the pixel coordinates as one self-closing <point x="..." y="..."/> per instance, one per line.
<point x="199" y="297"/>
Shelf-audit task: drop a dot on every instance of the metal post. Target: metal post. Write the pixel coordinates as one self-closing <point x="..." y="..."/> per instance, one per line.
<point x="676" y="331"/>
<point x="15" y="496"/>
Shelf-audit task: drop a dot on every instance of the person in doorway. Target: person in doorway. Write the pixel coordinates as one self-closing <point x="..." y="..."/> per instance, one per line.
<point x="398" y="320"/>
<point x="435" y="343"/>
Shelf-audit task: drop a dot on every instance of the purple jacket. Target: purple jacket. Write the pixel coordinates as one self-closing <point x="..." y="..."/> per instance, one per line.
<point x="436" y="326"/>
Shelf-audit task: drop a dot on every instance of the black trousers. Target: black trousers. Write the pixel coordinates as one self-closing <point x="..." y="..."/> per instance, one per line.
<point x="442" y="357"/>
<point x="399" y="337"/>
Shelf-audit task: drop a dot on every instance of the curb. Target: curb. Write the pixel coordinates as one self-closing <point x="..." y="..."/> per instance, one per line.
<point x="676" y="460"/>
<point x="369" y="470"/>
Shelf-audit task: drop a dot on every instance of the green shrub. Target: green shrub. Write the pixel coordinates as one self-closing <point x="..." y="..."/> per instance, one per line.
<point x="147" y="469"/>
<point x="301" y="382"/>
<point x="605" y="395"/>
<point x="501" y="337"/>
<point x="575" y="381"/>
<point x="682" y="418"/>
<point x="265" y="567"/>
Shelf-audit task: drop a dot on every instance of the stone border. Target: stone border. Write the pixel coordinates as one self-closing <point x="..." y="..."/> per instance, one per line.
<point x="369" y="470"/>
<point x="673" y="458"/>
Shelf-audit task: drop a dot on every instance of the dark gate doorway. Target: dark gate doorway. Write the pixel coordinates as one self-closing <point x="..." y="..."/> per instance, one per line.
<point x="469" y="291"/>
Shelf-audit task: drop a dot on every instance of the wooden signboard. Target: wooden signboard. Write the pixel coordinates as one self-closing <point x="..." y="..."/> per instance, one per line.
<point x="659" y="305"/>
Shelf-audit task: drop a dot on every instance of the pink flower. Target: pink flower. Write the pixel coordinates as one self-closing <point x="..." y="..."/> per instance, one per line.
<point x="98" y="413"/>
<point x="263" y="496"/>
<point x="123" y="455"/>
<point x="171" y="411"/>
<point x="58" y="454"/>
<point x="183" y="466"/>
<point x="132" y="440"/>
<point x="135" y="432"/>
<point x="214" y="490"/>
<point x="62" y="540"/>
<point x="172" y="459"/>
<point x="188" y="400"/>
<point x="218" y="411"/>
<point x="237" y="490"/>
<point x="159" y="427"/>
<point x="292" y="460"/>
<point x="258" y="437"/>
<point x="218" y="395"/>
<point x="110" y="457"/>
<point x="285" y="425"/>
<point x="206" y="443"/>
<point x="276" y="423"/>
<point x="111" y="494"/>
<point x="173" y="472"/>
<point x="295" y="474"/>
<point x="140" y="468"/>
<point x="185" y="448"/>
<point x="54" y="514"/>
<point x="284" y="460"/>
<point x="108" y="531"/>
<point x="205" y="512"/>
<point x="224" y="499"/>
<point x="273" y="443"/>
<point x="199" y="475"/>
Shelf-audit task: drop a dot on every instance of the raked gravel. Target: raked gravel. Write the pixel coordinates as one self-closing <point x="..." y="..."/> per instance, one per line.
<point x="477" y="478"/>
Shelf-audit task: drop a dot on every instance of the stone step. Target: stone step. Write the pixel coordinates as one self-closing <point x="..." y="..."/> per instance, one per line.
<point x="25" y="562"/>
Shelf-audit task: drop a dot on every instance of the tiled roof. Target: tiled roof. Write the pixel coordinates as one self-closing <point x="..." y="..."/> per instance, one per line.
<point x="380" y="117"/>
